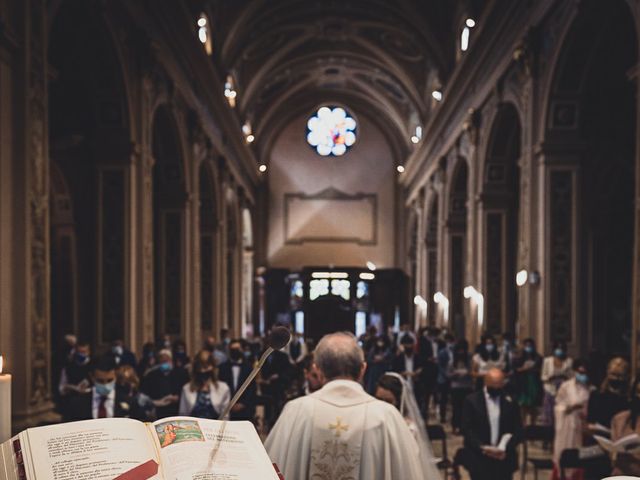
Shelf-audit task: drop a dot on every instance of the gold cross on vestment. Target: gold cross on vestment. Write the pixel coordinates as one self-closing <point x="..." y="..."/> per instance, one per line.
<point x="339" y="427"/>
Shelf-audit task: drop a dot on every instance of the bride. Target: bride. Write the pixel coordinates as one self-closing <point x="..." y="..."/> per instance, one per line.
<point x="394" y="389"/>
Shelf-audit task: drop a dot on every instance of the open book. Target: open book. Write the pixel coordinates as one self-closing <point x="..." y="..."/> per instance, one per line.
<point x="175" y="448"/>
<point x="627" y="444"/>
<point x="502" y="444"/>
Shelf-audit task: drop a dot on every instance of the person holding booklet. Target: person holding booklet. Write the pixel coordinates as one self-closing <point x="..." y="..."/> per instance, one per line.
<point x="570" y="415"/>
<point x="492" y="430"/>
<point x="626" y="425"/>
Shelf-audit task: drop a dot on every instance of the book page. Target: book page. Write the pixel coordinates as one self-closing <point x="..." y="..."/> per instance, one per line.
<point x="88" y="450"/>
<point x="198" y="449"/>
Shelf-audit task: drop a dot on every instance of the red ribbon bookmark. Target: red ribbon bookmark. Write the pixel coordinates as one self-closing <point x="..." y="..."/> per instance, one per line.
<point x="141" y="472"/>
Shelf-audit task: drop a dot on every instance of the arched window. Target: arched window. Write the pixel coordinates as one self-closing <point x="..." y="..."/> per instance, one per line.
<point x="331" y="131"/>
<point x="204" y="34"/>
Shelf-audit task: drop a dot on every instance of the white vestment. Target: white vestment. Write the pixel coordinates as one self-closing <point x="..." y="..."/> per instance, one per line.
<point x="342" y="433"/>
<point x="569" y="424"/>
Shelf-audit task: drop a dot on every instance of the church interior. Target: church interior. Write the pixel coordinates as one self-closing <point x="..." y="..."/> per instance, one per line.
<point x="203" y="170"/>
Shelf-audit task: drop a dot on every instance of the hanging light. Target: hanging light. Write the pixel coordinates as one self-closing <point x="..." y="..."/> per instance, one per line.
<point x="437" y="95"/>
<point x="400" y="168"/>
<point x="262" y="168"/>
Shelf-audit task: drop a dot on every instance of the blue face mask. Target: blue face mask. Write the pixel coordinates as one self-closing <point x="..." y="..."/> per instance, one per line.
<point x="489" y="347"/>
<point x="165" y="367"/>
<point x="528" y="349"/>
<point x="81" y="358"/>
<point x="117" y="350"/>
<point x="582" y="378"/>
<point x="558" y="352"/>
<point x="105" y="389"/>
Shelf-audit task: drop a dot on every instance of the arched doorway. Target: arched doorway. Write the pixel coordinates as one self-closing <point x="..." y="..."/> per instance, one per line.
<point x="500" y="201"/>
<point x="169" y="204"/>
<point x="591" y="180"/>
<point x="208" y="249"/>
<point x="457" y="228"/>
<point x="90" y="149"/>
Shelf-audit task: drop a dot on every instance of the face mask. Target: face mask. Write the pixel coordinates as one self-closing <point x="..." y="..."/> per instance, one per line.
<point x="506" y="343"/>
<point x="528" y="349"/>
<point x="489" y="347"/>
<point x="81" y="358"/>
<point x="582" y="378"/>
<point x="558" y="352"/>
<point x="202" y="377"/>
<point x="380" y="344"/>
<point x="494" y="392"/>
<point x="165" y="367"/>
<point x="617" y="384"/>
<point x="247" y="355"/>
<point x="235" y="354"/>
<point x="117" y="351"/>
<point x="167" y="344"/>
<point x="105" y="389"/>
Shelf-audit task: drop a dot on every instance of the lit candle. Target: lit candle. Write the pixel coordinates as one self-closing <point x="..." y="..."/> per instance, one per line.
<point x="5" y="404"/>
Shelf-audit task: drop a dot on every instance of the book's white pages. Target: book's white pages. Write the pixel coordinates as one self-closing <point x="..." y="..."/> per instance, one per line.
<point x="197" y="449"/>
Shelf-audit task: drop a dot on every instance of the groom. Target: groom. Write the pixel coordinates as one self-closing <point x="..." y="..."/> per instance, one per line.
<point x="340" y="431"/>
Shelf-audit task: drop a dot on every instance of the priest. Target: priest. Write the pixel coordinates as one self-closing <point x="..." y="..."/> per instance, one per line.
<point x="341" y="432"/>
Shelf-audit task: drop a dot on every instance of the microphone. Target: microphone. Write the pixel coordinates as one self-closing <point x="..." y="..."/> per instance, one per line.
<point x="277" y="339"/>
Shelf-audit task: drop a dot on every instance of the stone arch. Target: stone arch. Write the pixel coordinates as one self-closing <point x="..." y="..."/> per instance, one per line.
<point x="590" y="162"/>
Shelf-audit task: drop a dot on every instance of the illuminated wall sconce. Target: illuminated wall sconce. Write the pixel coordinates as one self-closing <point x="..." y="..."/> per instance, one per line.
<point x="422" y="305"/>
<point x="443" y="302"/>
<point x="472" y="294"/>
<point x="400" y="168"/>
<point x="371" y="266"/>
<point x="523" y="277"/>
<point x="417" y="136"/>
<point x="437" y="95"/>
<point x="230" y="91"/>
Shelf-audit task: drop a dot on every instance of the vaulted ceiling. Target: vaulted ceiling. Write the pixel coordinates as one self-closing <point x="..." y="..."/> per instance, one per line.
<point x="380" y="58"/>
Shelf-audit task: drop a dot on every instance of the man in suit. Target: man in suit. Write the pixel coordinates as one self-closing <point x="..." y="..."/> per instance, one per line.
<point x="105" y="399"/>
<point x="445" y="369"/>
<point x="408" y="364"/>
<point x="234" y="372"/>
<point x="428" y="347"/>
<point x="487" y="415"/>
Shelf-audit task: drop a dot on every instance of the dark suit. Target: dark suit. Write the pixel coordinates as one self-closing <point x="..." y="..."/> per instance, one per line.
<point x="248" y="398"/>
<point x="125" y="406"/>
<point x="429" y="378"/>
<point x="477" y="433"/>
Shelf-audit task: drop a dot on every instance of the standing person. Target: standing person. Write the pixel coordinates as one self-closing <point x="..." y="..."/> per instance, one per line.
<point x="445" y="370"/>
<point x="121" y="355"/>
<point x="407" y="363"/>
<point x="128" y="383"/>
<point x="379" y="361"/>
<point x="296" y="349"/>
<point x="204" y="396"/>
<point x="395" y="390"/>
<point x="234" y="372"/>
<point x="340" y="431"/>
<point x="626" y="423"/>
<point x="486" y="357"/>
<point x="103" y="399"/>
<point x="74" y="377"/>
<point x="570" y="413"/>
<point x="461" y="383"/>
<point x="527" y="379"/>
<point x="428" y="348"/>
<point x="557" y="368"/>
<point x="611" y="398"/>
<point x="163" y="383"/>
<point x="147" y="360"/>
<point x="180" y="357"/>
<point x="488" y="415"/>
<point x="275" y="380"/>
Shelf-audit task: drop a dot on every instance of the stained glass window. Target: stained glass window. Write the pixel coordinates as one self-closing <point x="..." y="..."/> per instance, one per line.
<point x="331" y="131"/>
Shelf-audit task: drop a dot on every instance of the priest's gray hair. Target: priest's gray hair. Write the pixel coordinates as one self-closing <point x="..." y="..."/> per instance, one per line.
<point x="339" y="355"/>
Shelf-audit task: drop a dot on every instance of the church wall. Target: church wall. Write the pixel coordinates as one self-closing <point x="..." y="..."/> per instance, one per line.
<point x="331" y="210"/>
